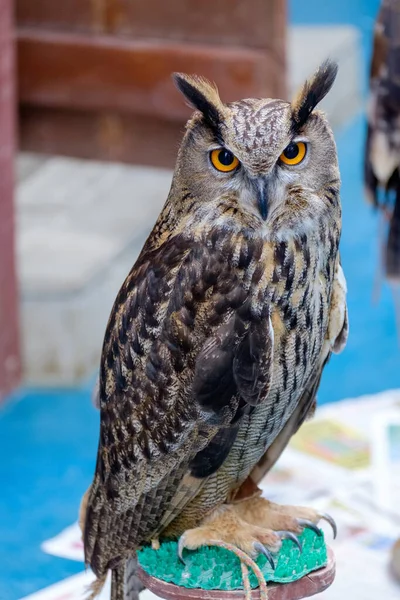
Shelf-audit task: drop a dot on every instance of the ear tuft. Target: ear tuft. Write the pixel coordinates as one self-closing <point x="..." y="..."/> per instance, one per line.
<point x="202" y="95"/>
<point x="312" y="92"/>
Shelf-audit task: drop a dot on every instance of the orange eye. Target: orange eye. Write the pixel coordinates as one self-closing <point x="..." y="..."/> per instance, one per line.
<point x="294" y="153"/>
<point x="223" y="160"/>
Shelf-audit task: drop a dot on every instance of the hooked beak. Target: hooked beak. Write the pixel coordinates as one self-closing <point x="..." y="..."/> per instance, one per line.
<point x="262" y="197"/>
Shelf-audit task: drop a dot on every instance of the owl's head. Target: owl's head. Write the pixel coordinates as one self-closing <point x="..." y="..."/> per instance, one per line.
<point x="270" y="160"/>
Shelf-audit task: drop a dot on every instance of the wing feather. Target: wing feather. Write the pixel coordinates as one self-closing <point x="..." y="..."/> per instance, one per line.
<point x="171" y="385"/>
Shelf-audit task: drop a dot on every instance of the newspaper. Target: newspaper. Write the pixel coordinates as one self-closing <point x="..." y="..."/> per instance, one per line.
<point x="346" y="461"/>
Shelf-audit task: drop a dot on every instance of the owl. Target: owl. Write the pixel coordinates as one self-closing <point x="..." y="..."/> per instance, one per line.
<point x="382" y="148"/>
<point x="216" y="343"/>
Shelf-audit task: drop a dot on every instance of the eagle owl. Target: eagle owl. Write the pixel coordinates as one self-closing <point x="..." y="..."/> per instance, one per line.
<point x="382" y="149"/>
<point x="216" y="343"/>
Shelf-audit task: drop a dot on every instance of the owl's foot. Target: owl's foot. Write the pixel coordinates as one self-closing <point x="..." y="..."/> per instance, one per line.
<point x="250" y="527"/>
<point x="225" y="528"/>
<point x="224" y="525"/>
<point x="263" y="513"/>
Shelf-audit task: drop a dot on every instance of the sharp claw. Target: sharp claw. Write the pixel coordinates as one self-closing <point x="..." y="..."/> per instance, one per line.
<point x="181" y="546"/>
<point x="331" y="522"/>
<point x="263" y="550"/>
<point x="310" y="525"/>
<point x="288" y="535"/>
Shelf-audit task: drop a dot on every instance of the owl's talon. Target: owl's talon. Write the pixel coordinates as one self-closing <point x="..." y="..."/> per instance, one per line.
<point x="261" y="549"/>
<point x="309" y="525"/>
<point x="331" y="521"/>
<point x="288" y="535"/>
<point x="181" y="547"/>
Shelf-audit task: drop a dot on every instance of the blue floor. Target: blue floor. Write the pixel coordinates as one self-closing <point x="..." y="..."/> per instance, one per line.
<point x="48" y="439"/>
<point x="48" y="443"/>
<point x="371" y="361"/>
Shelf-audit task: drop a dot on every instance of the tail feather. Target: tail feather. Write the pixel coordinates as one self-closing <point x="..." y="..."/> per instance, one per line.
<point x="392" y="258"/>
<point x="96" y="587"/>
<point x="118" y="583"/>
<point x="370" y="179"/>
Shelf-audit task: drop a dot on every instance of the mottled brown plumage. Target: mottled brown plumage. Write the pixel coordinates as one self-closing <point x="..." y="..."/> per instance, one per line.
<point x="217" y="339"/>
<point x="382" y="148"/>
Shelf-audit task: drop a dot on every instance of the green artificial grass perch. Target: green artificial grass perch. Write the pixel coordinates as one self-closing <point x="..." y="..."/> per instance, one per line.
<point x="214" y="568"/>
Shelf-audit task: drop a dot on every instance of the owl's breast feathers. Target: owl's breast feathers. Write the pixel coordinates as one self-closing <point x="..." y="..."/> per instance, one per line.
<point x="200" y="336"/>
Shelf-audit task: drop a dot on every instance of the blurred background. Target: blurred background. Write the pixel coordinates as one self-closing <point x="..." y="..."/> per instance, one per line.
<point x="90" y="124"/>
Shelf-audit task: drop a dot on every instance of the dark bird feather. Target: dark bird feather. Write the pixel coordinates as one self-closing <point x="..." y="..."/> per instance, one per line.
<point x="382" y="145"/>
<point x="312" y="93"/>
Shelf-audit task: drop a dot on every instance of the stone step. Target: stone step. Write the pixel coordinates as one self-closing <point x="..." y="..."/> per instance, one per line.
<point x="81" y="224"/>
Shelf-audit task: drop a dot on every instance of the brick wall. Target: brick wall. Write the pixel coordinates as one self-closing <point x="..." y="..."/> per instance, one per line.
<point x="9" y="346"/>
<point x="95" y="77"/>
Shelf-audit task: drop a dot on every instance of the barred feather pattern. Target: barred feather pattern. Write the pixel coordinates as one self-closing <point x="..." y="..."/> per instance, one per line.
<point x="150" y="431"/>
<point x="217" y="339"/>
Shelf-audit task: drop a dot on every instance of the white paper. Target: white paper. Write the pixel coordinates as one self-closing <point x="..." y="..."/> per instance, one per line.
<point x="67" y="544"/>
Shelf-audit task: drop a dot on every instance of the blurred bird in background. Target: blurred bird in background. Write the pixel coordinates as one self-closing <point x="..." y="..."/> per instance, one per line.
<point x="382" y="154"/>
<point x="382" y="151"/>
